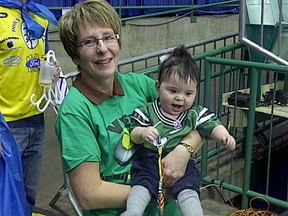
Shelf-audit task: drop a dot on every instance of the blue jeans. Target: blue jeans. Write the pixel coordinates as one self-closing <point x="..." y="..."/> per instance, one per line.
<point x="31" y="144"/>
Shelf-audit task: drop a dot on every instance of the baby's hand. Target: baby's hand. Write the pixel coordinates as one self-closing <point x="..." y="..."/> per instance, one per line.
<point x="150" y="134"/>
<point x="229" y="142"/>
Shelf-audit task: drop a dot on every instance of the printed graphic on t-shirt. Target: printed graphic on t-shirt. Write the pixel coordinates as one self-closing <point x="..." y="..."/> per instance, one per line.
<point x="30" y="41"/>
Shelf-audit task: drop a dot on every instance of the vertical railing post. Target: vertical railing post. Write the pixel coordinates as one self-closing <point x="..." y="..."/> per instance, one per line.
<point x="286" y="83"/>
<point x="207" y="91"/>
<point x="249" y="135"/>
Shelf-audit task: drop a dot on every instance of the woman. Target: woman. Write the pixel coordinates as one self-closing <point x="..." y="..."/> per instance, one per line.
<point x="97" y="110"/>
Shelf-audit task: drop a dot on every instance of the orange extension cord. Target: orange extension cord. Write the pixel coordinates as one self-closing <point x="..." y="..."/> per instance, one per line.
<point x="254" y="212"/>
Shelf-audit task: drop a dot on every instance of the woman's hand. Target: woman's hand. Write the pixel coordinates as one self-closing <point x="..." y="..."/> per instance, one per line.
<point x="174" y="165"/>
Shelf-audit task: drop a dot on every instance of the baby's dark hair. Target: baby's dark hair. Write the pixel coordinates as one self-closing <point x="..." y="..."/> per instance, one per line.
<point x="179" y="63"/>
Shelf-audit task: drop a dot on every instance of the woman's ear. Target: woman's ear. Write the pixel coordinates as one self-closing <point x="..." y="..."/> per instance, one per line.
<point x="75" y="60"/>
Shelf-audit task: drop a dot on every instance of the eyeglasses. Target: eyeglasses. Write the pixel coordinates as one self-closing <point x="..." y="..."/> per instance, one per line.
<point x="93" y="43"/>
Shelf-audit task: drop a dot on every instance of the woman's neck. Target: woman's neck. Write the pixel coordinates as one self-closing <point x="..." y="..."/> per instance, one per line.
<point x="104" y="85"/>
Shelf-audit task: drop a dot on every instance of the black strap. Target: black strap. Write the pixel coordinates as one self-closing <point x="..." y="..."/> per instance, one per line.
<point x="122" y="176"/>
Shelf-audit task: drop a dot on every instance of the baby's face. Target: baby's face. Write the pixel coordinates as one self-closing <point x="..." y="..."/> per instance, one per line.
<point x="176" y="95"/>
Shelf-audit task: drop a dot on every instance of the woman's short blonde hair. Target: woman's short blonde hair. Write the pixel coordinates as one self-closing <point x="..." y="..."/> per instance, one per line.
<point x="98" y="12"/>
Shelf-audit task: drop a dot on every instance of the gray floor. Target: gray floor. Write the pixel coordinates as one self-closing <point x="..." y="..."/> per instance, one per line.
<point x="52" y="179"/>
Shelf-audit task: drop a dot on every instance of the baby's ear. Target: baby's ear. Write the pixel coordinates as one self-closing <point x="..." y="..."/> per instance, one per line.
<point x="157" y="85"/>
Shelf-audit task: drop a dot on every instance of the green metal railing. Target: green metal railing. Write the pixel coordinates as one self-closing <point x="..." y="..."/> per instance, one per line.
<point x="163" y="10"/>
<point x="179" y="10"/>
<point x="255" y="71"/>
<point x="148" y="63"/>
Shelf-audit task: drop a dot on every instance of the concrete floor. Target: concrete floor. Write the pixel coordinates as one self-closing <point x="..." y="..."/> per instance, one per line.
<point x="52" y="179"/>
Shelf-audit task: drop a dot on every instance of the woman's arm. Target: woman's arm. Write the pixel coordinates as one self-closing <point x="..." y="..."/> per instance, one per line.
<point x="93" y="193"/>
<point x="194" y="139"/>
<point x="175" y="163"/>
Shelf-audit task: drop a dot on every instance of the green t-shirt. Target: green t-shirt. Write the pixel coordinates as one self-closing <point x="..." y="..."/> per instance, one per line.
<point x="90" y="132"/>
